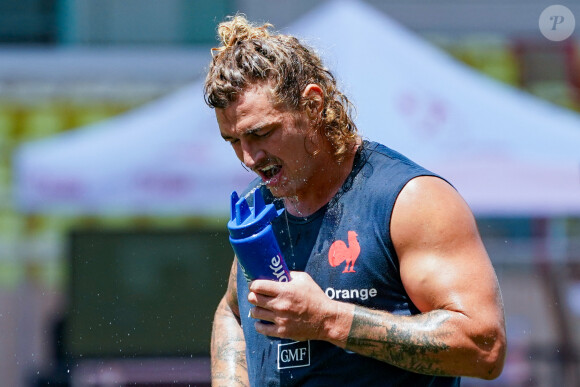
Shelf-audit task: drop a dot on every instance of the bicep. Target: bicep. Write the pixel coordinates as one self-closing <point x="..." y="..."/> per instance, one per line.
<point x="443" y="262"/>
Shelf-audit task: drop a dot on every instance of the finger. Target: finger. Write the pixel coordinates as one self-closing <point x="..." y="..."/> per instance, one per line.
<point x="262" y="314"/>
<point x="258" y="299"/>
<point x="298" y="274"/>
<point x="265" y="287"/>
<point x="266" y="329"/>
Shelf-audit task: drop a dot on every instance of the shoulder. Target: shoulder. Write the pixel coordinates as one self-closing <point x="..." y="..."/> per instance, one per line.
<point x="428" y="201"/>
<point x="429" y="208"/>
<point x="427" y="191"/>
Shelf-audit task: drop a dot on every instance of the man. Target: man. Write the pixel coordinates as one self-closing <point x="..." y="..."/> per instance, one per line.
<point x="391" y="286"/>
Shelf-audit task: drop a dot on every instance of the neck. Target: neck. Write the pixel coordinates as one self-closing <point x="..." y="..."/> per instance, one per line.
<point x="322" y="187"/>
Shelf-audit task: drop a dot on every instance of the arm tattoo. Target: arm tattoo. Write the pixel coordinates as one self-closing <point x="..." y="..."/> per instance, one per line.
<point x="409" y="342"/>
<point x="228" y="360"/>
<point x="228" y="346"/>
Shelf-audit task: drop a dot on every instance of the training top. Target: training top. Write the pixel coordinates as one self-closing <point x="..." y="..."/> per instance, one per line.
<point x="347" y="249"/>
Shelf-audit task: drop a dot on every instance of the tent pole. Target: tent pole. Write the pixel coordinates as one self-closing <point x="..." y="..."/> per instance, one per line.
<point x="551" y="281"/>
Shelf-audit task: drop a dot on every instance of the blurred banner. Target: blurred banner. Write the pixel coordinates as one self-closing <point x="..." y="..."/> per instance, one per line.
<point x="507" y="152"/>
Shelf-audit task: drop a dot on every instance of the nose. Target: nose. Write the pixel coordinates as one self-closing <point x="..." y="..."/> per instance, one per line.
<point x="250" y="155"/>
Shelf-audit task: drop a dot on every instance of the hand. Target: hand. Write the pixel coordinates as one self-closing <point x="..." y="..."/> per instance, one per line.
<point x="298" y="309"/>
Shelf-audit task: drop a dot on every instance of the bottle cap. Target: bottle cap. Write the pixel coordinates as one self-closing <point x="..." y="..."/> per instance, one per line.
<point x="245" y="220"/>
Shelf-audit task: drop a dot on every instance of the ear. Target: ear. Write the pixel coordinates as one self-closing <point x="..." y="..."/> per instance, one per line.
<point x="313" y="98"/>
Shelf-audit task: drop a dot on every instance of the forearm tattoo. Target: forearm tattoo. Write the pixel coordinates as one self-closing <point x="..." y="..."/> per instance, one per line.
<point x="228" y="360"/>
<point x="228" y="346"/>
<point x="409" y="342"/>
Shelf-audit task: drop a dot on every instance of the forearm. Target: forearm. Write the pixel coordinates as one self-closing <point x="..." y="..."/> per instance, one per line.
<point x="413" y="343"/>
<point x="228" y="356"/>
<point x="434" y="343"/>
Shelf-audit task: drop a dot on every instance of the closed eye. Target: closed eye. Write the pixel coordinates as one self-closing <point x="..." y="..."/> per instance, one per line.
<point x="261" y="134"/>
<point x="231" y="140"/>
<point x="257" y="133"/>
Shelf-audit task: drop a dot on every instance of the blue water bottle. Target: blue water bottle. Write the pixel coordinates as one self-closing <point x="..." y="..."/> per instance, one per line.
<point x="253" y="239"/>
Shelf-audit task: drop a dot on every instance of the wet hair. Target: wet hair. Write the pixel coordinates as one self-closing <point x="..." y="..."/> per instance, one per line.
<point x="250" y="55"/>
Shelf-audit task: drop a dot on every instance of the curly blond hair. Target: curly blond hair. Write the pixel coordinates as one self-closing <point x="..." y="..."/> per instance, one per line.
<point x="250" y="54"/>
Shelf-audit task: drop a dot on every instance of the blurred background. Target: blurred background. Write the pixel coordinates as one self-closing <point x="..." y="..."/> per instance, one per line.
<point x="123" y="292"/>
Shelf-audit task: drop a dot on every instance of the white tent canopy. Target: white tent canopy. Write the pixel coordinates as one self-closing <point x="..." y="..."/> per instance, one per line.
<point x="505" y="151"/>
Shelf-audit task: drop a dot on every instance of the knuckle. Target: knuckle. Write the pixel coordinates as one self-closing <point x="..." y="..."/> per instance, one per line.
<point x="282" y="331"/>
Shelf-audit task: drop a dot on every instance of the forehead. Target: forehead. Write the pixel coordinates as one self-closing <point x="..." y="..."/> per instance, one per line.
<point x="252" y="106"/>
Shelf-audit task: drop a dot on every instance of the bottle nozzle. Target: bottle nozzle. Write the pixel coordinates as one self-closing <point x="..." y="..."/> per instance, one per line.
<point x="242" y="211"/>
<point x="246" y="220"/>
<point x="259" y="204"/>
<point x="233" y="200"/>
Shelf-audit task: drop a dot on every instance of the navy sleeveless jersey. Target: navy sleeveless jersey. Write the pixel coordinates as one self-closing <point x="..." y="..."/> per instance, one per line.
<point x="347" y="249"/>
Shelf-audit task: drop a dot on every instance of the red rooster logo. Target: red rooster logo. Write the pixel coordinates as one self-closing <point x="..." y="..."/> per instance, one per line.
<point x="339" y="252"/>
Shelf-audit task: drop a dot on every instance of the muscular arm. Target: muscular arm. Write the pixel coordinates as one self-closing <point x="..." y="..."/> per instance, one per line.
<point x="448" y="276"/>
<point x="447" y="273"/>
<point x="228" y="356"/>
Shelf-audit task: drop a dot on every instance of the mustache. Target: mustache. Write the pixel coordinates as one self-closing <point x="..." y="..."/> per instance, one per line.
<point x="264" y="163"/>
